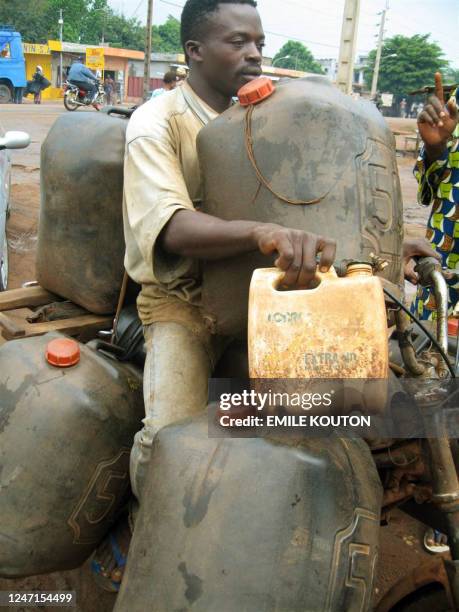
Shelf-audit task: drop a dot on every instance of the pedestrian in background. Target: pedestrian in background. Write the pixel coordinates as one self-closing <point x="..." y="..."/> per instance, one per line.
<point x="437" y="172"/>
<point x="39" y="83"/>
<point x="169" y="83"/>
<point x="109" y="88"/>
<point x="18" y="94"/>
<point x="403" y="108"/>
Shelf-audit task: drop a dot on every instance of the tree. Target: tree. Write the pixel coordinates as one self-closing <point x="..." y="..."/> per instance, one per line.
<point x="166" y="37"/>
<point x="125" y="33"/>
<point x="407" y="64"/>
<point x="452" y="76"/>
<point x="300" y="58"/>
<point x="76" y="14"/>
<point x="85" y="21"/>
<point x="27" y="17"/>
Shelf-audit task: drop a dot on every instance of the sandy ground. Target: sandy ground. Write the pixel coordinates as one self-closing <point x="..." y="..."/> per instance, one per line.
<point x="400" y="541"/>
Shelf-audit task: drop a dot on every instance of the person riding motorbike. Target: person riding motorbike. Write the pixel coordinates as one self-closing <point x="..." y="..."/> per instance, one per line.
<point x="81" y="76"/>
<point x="166" y="234"/>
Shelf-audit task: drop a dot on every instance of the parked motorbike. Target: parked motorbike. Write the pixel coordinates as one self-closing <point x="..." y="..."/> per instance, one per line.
<point x="75" y="96"/>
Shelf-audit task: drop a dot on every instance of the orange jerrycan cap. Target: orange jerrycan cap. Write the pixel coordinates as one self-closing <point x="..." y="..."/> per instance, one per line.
<point x="62" y="352"/>
<point x="255" y="91"/>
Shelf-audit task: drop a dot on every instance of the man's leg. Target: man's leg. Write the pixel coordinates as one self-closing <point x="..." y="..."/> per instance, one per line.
<point x="176" y="373"/>
<point x="93" y="92"/>
<point x="177" y="369"/>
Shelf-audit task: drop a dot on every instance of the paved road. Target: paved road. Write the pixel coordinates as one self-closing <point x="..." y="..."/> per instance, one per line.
<point x="34" y="119"/>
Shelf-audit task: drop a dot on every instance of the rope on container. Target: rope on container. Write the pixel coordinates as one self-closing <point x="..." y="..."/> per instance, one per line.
<point x="263" y="181"/>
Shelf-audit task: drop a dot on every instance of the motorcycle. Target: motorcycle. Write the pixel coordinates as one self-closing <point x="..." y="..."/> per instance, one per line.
<point x="249" y="523"/>
<point x="75" y="96"/>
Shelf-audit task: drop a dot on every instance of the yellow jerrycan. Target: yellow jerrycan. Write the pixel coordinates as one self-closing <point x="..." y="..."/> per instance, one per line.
<point x="336" y="330"/>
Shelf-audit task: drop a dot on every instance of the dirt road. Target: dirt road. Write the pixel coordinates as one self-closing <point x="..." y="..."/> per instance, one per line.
<point x="25" y="188"/>
<point x="400" y="540"/>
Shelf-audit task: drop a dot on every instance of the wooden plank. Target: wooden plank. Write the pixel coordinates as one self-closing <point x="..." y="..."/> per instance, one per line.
<point x="28" y="296"/>
<point x="72" y="327"/>
<point x="10" y="328"/>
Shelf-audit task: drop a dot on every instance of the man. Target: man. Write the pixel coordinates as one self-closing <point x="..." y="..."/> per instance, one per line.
<point x="18" y="94"/>
<point x="82" y="77"/>
<point x="166" y="235"/>
<point x="437" y="172"/>
<point x="169" y="83"/>
<point x="403" y="108"/>
<point x="109" y="87"/>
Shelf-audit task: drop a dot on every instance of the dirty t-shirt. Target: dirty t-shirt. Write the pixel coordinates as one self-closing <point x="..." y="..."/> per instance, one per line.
<point x="161" y="176"/>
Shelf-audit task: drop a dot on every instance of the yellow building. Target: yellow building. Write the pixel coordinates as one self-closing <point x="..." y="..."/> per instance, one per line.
<point x="40" y="55"/>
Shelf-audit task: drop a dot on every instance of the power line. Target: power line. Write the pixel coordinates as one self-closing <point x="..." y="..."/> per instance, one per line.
<point x="336" y="15"/>
<point x="172" y="3"/>
<point x="138" y="6"/>
<point x="311" y="42"/>
<point x="302" y="40"/>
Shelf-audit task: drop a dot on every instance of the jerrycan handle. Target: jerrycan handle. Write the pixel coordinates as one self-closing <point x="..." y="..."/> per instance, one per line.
<point x="275" y="276"/>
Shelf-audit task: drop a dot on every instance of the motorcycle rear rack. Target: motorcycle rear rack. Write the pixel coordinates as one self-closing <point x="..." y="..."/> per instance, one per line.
<point x="18" y="304"/>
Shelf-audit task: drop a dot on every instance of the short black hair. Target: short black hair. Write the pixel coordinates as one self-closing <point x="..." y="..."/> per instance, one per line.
<point x="170" y="77"/>
<point x="195" y="12"/>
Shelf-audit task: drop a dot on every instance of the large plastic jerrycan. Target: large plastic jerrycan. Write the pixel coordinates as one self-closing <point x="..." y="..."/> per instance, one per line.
<point x="336" y="330"/>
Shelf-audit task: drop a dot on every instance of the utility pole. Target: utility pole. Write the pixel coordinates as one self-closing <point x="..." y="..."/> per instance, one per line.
<point x="374" y="83"/>
<point x="146" y="67"/>
<point x="348" y="44"/>
<point x="61" y="25"/>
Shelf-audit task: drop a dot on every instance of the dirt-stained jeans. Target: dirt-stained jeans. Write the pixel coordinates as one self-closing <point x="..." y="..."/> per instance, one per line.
<point x="175" y="382"/>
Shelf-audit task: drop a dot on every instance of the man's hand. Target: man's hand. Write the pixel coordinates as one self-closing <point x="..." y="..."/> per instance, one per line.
<point x="297" y="251"/>
<point x="416" y="247"/>
<point x="437" y="122"/>
<point x="201" y="236"/>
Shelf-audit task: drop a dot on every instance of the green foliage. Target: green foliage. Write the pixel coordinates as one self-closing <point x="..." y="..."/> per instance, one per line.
<point x="76" y="15"/>
<point x="413" y="65"/>
<point x="27" y="16"/>
<point x="300" y="58"/>
<point x="452" y="76"/>
<point x="166" y="37"/>
<point x="85" y="21"/>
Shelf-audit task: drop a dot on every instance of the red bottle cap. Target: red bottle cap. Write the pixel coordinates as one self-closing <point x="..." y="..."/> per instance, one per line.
<point x="453" y="324"/>
<point x="63" y="352"/>
<point x="255" y="91"/>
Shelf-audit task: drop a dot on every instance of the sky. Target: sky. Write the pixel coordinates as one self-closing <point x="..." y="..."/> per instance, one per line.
<point x="318" y="24"/>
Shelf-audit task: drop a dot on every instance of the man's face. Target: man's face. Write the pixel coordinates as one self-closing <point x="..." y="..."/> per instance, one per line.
<point x="230" y="52"/>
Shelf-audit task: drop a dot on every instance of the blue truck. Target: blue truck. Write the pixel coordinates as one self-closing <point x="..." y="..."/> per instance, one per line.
<point x="12" y="65"/>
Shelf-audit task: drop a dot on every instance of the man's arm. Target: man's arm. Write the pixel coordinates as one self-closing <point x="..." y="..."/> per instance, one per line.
<point x="88" y="73"/>
<point x="200" y="236"/>
<point x="168" y="231"/>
